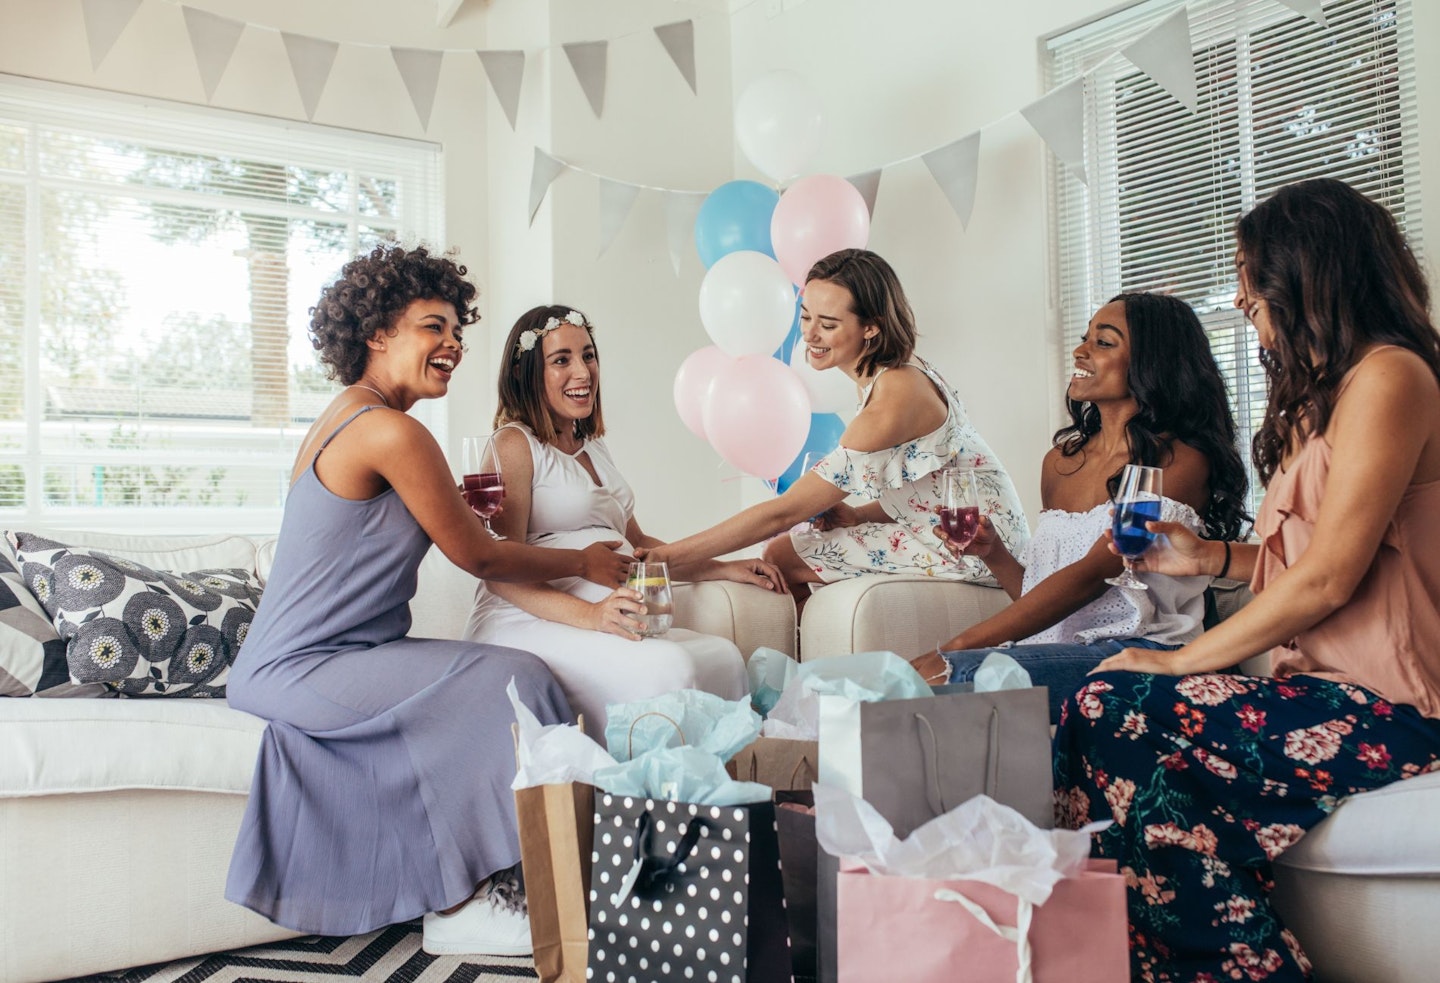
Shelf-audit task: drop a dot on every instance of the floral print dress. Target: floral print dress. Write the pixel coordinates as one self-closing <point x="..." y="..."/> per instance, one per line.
<point x="905" y="480"/>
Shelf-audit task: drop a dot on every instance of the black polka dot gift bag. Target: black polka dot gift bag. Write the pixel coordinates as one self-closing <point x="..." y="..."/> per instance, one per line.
<point x="681" y="892"/>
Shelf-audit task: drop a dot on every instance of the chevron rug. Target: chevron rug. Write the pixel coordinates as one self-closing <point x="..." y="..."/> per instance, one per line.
<point x="391" y="955"/>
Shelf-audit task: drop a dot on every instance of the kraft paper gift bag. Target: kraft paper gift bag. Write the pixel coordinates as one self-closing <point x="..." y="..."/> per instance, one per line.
<point x="779" y="762"/>
<point x="682" y="892"/>
<point x="557" y="827"/>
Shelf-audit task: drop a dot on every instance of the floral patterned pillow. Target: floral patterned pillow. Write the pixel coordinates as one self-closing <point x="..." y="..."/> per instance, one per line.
<point x="142" y="632"/>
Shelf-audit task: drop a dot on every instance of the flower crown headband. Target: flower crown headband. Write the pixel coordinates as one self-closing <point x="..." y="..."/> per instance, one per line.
<point x="531" y="336"/>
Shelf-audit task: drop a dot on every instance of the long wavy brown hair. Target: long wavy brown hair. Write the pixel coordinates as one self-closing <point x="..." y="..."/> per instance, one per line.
<point x="1338" y="278"/>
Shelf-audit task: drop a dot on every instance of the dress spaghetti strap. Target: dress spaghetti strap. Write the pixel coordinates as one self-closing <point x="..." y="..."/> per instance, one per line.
<point x="345" y="423"/>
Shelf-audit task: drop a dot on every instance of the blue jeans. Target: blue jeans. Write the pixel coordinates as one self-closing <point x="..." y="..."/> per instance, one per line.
<point x="1059" y="666"/>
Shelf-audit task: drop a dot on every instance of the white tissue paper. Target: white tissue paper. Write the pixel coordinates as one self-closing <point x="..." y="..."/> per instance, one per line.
<point x="864" y="677"/>
<point x="680" y="774"/>
<point x="1000" y="672"/>
<point x="551" y="754"/>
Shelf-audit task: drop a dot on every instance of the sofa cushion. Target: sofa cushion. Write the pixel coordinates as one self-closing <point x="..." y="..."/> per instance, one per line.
<point x="53" y="747"/>
<point x="138" y="630"/>
<point x="32" y="655"/>
<point x="1385" y="833"/>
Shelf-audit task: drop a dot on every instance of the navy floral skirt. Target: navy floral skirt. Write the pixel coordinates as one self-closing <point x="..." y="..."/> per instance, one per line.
<point x="1208" y="779"/>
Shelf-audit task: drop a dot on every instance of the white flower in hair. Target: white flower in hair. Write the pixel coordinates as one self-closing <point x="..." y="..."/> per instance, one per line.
<point x="575" y="318"/>
<point x="552" y="324"/>
<point x="528" y="339"/>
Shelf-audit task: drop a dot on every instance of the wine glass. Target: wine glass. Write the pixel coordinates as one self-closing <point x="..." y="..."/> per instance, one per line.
<point x="959" y="506"/>
<point x="810" y="534"/>
<point x="483" y="485"/>
<point x="1137" y="503"/>
<point x="652" y="581"/>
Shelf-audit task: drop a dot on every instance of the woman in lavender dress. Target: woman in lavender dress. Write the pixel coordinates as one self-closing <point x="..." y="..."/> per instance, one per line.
<point x="382" y="792"/>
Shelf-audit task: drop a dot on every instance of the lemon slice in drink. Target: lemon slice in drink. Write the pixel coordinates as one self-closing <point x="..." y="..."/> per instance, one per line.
<point x="648" y="582"/>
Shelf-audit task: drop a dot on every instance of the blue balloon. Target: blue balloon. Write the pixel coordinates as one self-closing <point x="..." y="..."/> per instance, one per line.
<point x="788" y="345"/>
<point x="824" y="437"/>
<point x="735" y="216"/>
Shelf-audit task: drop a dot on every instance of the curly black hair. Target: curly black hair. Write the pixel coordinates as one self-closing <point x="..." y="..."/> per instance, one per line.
<point x="371" y="293"/>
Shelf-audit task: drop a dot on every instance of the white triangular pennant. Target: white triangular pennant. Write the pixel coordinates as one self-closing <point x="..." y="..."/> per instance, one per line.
<point x="505" y="70"/>
<point x="681" y="210"/>
<point x="542" y="174"/>
<point x="213" y="39"/>
<point x="420" y="71"/>
<point x="1059" y="118"/>
<point x="587" y="58"/>
<point x="956" y="168"/>
<point x="1314" y="9"/>
<point x="616" y="200"/>
<point x="1164" y="54"/>
<point x="868" y="184"/>
<point x="310" y="60"/>
<point x="679" y="42"/>
<point x="104" y="20"/>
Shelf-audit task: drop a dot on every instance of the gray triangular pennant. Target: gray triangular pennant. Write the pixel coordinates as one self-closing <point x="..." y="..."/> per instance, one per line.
<point x="868" y="184"/>
<point x="681" y="209"/>
<point x="505" y="70"/>
<point x="616" y="200"/>
<point x="1314" y="9"/>
<point x="104" y="20"/>
<point x="310" y="60"/>
<point x="1059" y="118"/>
<point x="213" y="38"/>
<point x="542" y="174"/>
<point x="955" y="167"/>
<point x="679" y="42"/>
<point x="420" y="71"/>
<point x="1164" y="54"/>
<point x="588" y="60"/>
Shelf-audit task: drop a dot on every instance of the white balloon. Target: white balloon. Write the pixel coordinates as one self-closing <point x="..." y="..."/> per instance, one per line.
<point x="747" y="303"/>
<point x="778" y="123"/>
<point x="831" y="391"/>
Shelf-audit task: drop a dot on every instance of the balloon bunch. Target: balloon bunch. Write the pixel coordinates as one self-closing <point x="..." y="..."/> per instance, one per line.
<point x="764" y="414"/>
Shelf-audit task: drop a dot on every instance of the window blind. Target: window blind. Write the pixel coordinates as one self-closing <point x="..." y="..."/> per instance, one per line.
<point x="157" y="264"/>
<point x="1281" y="99"/>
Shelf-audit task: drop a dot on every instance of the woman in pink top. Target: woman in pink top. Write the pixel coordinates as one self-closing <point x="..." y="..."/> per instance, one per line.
<point x="1347" y="588"/>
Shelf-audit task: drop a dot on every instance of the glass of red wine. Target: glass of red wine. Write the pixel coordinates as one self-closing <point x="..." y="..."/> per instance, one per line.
<point x="1137" y="503"/>
<point x="483" y="485"/>
<point x="959" y="506"/>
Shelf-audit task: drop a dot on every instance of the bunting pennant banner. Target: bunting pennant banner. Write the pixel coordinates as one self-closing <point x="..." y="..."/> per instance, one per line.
<point x="679" y="42"/>
<point x="1314" y="9"/>
<point x="681" y="210"/>
<point x="420" y="71"/>
<point x="310" y="61"/>
<point x="104" y="21"/>
<point x="956" y="168"/>
<point x="505" y="70"/>
<point x="1164" y="54"/>
<point x="587" y="58"/>
<point x="213" y="39"/>
<point x="868" y="184"/>
<point x="543" y="173"/>
<point x="1059" y="118"/>
<point x="616" y="200"/>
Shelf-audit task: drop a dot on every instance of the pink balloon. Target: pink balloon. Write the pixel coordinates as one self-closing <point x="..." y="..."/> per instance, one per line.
<point x="692" y="382"/>
<point x="817" y="216"/>
<point x="757" y="415"/>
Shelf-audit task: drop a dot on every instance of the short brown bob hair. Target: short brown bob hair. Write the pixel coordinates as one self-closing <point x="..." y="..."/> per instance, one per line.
<point x="876" y="298"/>
<point x="521" y="386"/>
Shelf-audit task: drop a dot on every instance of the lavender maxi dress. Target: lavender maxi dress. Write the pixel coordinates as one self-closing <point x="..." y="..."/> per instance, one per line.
<point x="382" y="789"/>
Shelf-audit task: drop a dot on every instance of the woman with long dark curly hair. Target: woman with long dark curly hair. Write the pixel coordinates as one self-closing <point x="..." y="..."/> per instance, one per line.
<point x="382" y="790"/>
<point x="1145" y="390"/>
<point x="1210" y="775"/>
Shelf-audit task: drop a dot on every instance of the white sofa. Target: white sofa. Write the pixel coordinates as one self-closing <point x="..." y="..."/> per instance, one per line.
<point x="1361" y="891"/>
<point x="117" y="817"/>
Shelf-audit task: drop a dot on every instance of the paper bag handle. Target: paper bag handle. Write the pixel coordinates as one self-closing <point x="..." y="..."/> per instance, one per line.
<point x="804" y="760"/>
<point x="992" y="759"/>
<point x="630" y="734"/>
<point x="1020" y="934"/>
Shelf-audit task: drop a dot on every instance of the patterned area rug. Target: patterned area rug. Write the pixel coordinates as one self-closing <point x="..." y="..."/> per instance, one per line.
<point x="392" y="954"/>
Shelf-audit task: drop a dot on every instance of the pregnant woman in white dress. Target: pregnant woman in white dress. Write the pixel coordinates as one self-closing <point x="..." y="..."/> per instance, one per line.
<point x="562" y="488"/>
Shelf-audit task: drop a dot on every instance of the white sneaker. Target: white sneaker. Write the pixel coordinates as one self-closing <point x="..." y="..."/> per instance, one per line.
<point x="481" y="928"/>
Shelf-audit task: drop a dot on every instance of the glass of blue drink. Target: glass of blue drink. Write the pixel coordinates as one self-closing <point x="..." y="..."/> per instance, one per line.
<point x="1137" y="503"/>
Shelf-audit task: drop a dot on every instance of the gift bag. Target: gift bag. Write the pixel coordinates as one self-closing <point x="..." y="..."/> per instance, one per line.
<point x="778" y="762"/>
<point x="681" y="892"/>
<point x="799" y="851"/>
<point x="1077" y="936"/>
<point x="556" y="831"/>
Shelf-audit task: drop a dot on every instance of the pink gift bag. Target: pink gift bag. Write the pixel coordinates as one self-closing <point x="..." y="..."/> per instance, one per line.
<point x="1077" y="936"/>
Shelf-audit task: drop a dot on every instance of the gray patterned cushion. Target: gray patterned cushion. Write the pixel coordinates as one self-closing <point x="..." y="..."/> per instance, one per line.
<point x="32" y="656"/>
<point x="138" y="631"/>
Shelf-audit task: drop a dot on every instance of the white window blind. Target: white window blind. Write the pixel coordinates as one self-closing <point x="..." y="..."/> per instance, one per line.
<point x="157" y="263"/>
<point x="1281" y="99"/>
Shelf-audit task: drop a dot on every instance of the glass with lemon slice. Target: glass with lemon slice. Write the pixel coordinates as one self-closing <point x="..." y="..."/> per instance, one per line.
<point x="652" y="582"/>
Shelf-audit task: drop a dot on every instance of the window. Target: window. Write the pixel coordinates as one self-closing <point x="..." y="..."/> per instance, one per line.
<point x="157" y="263"/>
<point x="1281" y="99"/>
